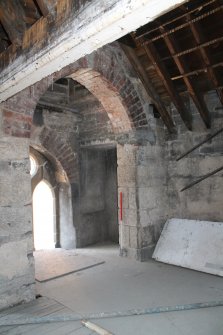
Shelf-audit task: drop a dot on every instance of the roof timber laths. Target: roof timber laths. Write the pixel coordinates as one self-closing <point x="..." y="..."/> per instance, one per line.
<point x="133" y="58"/>
<point x="191" y="87"/>
<point x="198" y="35"/>
<point x="197" y="71"/>
<point x="182" y="53"/>
<point x="167" y="32"/>
<point x="164" y="75"/>
<point x="193" y="49"/>
<point x="178" y="18"/>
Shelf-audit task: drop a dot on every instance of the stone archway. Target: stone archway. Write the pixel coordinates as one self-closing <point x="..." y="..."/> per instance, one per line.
<point x="113" y="77"/>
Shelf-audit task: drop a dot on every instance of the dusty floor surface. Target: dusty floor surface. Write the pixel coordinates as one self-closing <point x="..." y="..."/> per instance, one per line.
<point x="121" y="284"/>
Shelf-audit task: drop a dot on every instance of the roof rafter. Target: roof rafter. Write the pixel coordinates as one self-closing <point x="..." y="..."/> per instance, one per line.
<point x="182" y="67"/>
<point x="199" y="37"/>
<point x="197" y="71"/>
<point x="42" y="4"/>
<point x="151" y="91"/>
<point x="161" y="70"/>
<point x="12" y="18"/>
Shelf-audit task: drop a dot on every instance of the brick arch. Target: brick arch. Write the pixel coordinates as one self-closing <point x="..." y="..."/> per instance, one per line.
<point x="64" y="157"/>
<point x="106" y="73"/>
<point x="108" y="97"/>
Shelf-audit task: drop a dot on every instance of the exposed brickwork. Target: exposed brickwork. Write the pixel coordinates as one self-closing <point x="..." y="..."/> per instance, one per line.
<point x="110" y="99"/>
<point x="103" y="74"/>
<point x="94" y="117"/>
<point x="63" y="153"/>
<point x="16" y="124"/>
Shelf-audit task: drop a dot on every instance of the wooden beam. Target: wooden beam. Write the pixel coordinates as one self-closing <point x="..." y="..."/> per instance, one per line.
<point x="53" y="43"/>
<point x="197" y="71"/>
<point x="199" y="38"/>
<point x="182" y="67"/>
<point x="177" y="18"/>
<point x="12" y="18"/>
<point x="43" y="7"/>
<point x="151" y="91"/>
<point x="161" y="70"/>
<point x="184" y="25"/>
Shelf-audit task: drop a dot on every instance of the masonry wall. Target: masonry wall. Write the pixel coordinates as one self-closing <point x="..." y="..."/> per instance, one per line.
<point x="55" y="136"/>
<point x="160" y="178"/>
<point x="204" y="200"/>
<point x="148" y="175"/>
<point x="98" y="197"/>
<point x="16" y="239"/>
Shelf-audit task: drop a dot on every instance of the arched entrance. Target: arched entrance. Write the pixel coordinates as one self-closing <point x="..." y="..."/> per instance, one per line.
<point x="44" y="216"/>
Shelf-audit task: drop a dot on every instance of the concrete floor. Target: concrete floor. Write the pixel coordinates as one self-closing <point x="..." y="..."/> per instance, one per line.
<point x="121" y="284"/>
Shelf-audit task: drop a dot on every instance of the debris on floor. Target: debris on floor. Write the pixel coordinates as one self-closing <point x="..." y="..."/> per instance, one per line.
<point x="96" y="328"/>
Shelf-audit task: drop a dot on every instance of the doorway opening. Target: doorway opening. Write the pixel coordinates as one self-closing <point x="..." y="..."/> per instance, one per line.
<point x="44" y="216"/>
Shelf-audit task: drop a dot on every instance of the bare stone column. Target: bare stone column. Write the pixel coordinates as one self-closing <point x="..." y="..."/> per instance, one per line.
<point x="129" y="230"/>
<point x="142" y="180"/>
<point x="16" y="237"/>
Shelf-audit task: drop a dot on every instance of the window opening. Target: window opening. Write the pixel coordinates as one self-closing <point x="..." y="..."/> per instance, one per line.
<point x="43" y="216"/>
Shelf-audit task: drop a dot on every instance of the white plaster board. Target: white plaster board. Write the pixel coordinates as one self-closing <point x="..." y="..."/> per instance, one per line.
<point x="98" y="24"/>
<point x="192" y="244"/>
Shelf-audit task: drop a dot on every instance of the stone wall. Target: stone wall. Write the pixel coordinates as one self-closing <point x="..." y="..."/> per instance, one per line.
<point x="16" y="238"/>
<point x="160" y="178"/>
<point x="148" y="175"/>
<point x="98" y="196"/>
<point x="204" y="200"/>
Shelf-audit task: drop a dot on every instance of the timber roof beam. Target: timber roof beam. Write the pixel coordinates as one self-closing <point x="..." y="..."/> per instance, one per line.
<point x="182" y="67"/>
<point x="161" y="70"/>
<point x="13" y="20"/>
<point x="151" y="91"/>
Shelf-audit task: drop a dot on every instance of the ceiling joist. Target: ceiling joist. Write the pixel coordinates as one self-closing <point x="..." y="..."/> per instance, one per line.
<point x="199" y="37"/>
<point x="43" y="6"/>
<point x="191" y="87"/>
<point x="165" y="77"/>
<point x="12" y="18"/>
<point x="151" y="91"/>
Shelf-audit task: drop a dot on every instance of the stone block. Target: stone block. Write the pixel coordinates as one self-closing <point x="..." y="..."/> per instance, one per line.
<point x="130" y="217"/>
<point x="124" y="238"/>
<point x="126" y="176"/>
<point x="132" y="198"/>
<point x="15" y="188"/>
<point x="13" y="260"/>
<point x="145" y="219"/>
<point x="16" y="291"/>
<point x="1" y="122"/>
<point x="148" y="236"/>
<point x="143" y="177"/>
<point x="148" y="197"/>
<point x="126" y="154"/>
<point x="147" y="154"/>
<point x="14" y="148"/>
<point x="134" y="237"/>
